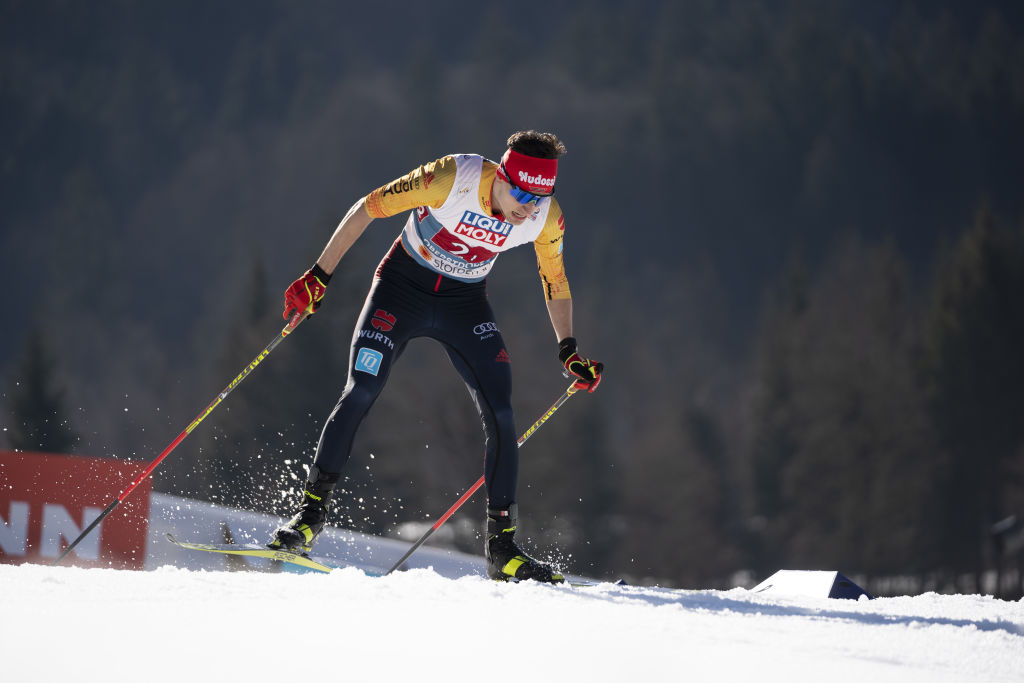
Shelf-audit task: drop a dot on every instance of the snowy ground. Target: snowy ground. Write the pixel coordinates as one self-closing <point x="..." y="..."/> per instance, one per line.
<point x="169" y="624"/>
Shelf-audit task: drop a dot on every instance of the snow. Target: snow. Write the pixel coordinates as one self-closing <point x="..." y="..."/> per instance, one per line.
<point x="173" y="624"/>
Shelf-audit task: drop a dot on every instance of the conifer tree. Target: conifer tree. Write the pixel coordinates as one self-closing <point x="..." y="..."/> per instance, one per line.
<point x="774" y="437"/>
<point x="842" y="446"/>
<point x="37" y="413"/>
<point x="975" y="373"/>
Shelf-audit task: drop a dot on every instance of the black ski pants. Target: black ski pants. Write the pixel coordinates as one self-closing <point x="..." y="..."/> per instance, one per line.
<point x="406" y="301"/>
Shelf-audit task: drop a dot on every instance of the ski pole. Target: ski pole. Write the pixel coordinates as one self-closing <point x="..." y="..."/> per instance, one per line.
<point x="297" y="318"/>
<point x="480" y="482"/>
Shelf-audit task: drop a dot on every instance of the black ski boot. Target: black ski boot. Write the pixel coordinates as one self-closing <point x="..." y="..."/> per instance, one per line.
<point x="299" y="534"/>
<point x="505" y="560"/>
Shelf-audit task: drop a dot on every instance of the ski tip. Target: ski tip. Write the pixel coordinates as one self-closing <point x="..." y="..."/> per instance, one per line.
<point x="590" y="583"/>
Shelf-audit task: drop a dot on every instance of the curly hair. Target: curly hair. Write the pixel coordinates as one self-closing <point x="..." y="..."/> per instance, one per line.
<point x="534" y="144"/>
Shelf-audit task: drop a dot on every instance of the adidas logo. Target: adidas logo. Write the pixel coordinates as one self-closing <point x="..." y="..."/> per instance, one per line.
<point x="502" y="357"/>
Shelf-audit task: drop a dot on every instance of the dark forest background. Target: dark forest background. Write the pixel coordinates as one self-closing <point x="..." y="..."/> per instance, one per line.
<point x="795" y="236"/>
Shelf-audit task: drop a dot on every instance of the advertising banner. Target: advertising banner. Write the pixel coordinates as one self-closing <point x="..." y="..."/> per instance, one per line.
<point x="47" y="500"/>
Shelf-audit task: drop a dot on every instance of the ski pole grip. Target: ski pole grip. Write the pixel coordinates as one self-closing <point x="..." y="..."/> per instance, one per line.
<point x="297" y="317"/>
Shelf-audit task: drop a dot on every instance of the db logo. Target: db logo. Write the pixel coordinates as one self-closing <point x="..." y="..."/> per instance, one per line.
<point x="484" y="328"/>
<point x="383" y="321"/>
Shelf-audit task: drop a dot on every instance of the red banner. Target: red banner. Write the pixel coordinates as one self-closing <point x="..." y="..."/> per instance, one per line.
<point x="47" y="500"/>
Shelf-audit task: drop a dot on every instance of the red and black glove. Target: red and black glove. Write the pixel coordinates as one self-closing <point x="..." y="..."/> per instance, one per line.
<point x="586" y="372"/>
<point x="304" y="294"/>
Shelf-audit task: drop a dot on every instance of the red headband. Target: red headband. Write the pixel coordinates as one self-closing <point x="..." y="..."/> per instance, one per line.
<point x="530" y="173"/>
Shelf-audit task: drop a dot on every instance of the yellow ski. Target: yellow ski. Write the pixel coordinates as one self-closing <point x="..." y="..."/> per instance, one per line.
<point x="253" y="550"/>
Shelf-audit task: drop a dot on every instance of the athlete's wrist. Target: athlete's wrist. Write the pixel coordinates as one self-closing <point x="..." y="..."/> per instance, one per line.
<point x="320" y="274"/>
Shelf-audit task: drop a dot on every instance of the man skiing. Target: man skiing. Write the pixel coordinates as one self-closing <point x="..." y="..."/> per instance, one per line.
<point x="465" y="210"/>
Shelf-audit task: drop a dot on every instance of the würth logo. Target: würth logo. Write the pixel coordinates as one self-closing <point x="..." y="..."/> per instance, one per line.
<point x="502" y="357"/>
<point x="383" y="321"/>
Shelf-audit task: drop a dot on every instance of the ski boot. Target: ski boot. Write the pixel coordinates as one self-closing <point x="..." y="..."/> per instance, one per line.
<point x="299" y="534"/>
<point x="505" y="560"/>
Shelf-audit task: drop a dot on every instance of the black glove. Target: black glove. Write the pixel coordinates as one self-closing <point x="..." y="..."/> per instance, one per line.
<point x="586" y="372"/>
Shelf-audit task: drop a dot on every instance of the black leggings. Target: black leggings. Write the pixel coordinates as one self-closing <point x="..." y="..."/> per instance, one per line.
<point x="405" y="301"/>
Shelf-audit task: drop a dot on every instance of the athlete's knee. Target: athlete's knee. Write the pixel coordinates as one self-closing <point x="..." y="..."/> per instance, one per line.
<point x="504" y="417"/>
<point x="358" y="395"/>
<point x="499" y="423"/>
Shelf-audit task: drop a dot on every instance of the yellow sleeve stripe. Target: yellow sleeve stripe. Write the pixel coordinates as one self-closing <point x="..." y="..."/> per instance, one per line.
<point x="428" y="185"/>
<point x="548" y="246"/>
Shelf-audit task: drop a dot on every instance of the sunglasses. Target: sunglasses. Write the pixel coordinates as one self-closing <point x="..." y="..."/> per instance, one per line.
<point x="521" y="195"/>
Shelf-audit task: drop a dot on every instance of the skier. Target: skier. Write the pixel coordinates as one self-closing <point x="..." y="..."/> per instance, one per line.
<point x="465" y="210"/>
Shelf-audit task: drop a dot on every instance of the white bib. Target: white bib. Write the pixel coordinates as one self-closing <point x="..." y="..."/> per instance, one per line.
<point x="461" y="239"/>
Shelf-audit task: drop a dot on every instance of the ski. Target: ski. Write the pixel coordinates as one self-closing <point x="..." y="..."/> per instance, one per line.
<point x="570" y="582"/>
<point x="253" y="550"/>
<point x="298" y="559"/>
<point x="586" y="583"/>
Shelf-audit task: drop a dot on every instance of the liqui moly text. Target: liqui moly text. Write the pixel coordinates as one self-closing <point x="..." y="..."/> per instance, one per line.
<point x="483" y="228"/>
